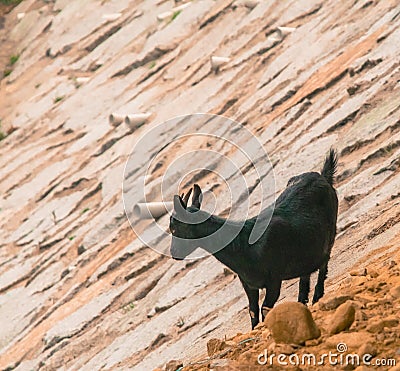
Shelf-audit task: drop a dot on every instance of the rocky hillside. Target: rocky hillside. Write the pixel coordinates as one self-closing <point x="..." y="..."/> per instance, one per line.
<point x="358" y="325"/>
<point x="78" y="289"/>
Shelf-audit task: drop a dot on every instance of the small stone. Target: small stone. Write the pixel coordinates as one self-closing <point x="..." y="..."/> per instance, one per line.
<point x="214" y="346"/>
<point x="284" y="349"/>
<point x="255" y="333"/>
<point x="372" y="273"/>
<point x="359" y="272"/>
<point x="367" y="348"/>
<point x="388" y="341"/>
<point x="271" y="347"/>
<point x="360" y="316"/>
<point x="173" y="365"/>
<point x="225" y="364"/>
<point x="383" y="301"/>
<point x="352" y="339"/>
<point x="333" y="303"/>
<point x="351" y="90"/>
<point x="64" y="273"/>
<point x="375" y="286"/>
<point x="342" y="319"/>
<point x="81" y="249"/>
<point x="390" y="321"/>
<point x="395" y="292"/>
<point x="313" y="343"/>
<point x="291" y="323"/>
<point x="371" y="305"/>
<point x="380" y="337"/>
<point x="376" y="325"/>
<point x="357" y="281"/>
<point x="266" y="334"/>
<point x="392" y="264"/>
<point x="249" y="356"/>
<point x="365" y="298"/>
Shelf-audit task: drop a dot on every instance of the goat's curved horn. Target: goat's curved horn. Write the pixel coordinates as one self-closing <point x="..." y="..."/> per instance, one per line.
<point x="196" y="200"/>
<point x="186" y="198"/>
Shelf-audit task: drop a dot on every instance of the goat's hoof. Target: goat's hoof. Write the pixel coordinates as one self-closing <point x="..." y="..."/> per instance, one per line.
<point x="265" y="311"/>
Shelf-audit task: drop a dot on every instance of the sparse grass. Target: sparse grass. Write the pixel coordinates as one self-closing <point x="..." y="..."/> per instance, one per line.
<point x="128" y="307"/>
<point x="37" y="86"/>
<point x="14" y="59"/>
<point x="58" y="99"/>
<point x="2" y="134"/>
<point x="152" y="64"/>
<point x="85" y="210"/>
<point x="10" y="2"/>
<point x="175" y="15"/>
<point x="71" y="237"/>
<point x="180" y="322"/>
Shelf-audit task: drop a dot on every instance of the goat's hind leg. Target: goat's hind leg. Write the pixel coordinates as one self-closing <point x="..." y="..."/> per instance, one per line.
<point x="272" y="293"/>
<point x="254" y="309"/>
<point x="320" y="286"/>
<point x="304" y="289"/>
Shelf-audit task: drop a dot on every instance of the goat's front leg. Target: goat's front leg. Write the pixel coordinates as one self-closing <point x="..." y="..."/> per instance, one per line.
<point x="272" y="293"/>
<point x="320" y="286"/>
<point x="254" y="309"/>
<point x="304" y="289"/>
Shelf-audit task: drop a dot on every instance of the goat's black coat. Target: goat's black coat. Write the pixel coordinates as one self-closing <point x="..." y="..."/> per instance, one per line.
<point x="297" y="241"/>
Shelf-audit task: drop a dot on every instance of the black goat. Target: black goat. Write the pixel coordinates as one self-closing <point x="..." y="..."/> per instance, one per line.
<point x="297" y="241"/>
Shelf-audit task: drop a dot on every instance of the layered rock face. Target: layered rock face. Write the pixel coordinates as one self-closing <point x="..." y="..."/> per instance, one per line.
<point x="78" y="289"/>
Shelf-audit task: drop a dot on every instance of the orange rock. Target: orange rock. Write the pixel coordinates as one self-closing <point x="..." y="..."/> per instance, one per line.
<point x="291" y="323"/>
<point x="173" y="365"/>
<point x="214" y="346"/>
<point x="342" y="319"/>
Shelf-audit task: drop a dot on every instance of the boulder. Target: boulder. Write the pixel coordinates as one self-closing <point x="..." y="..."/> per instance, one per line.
<point x="331" y="303"/>
<point x="342" y="319"/>
<point x="291" y="323"/>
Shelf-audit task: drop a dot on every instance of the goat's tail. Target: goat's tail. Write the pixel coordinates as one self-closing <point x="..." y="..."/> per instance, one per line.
<point x="330" y="165"/>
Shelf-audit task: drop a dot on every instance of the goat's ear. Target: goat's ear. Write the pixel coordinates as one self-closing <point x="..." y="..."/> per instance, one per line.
<point x="179" y="206"/>
<point x="197" y="196"/>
